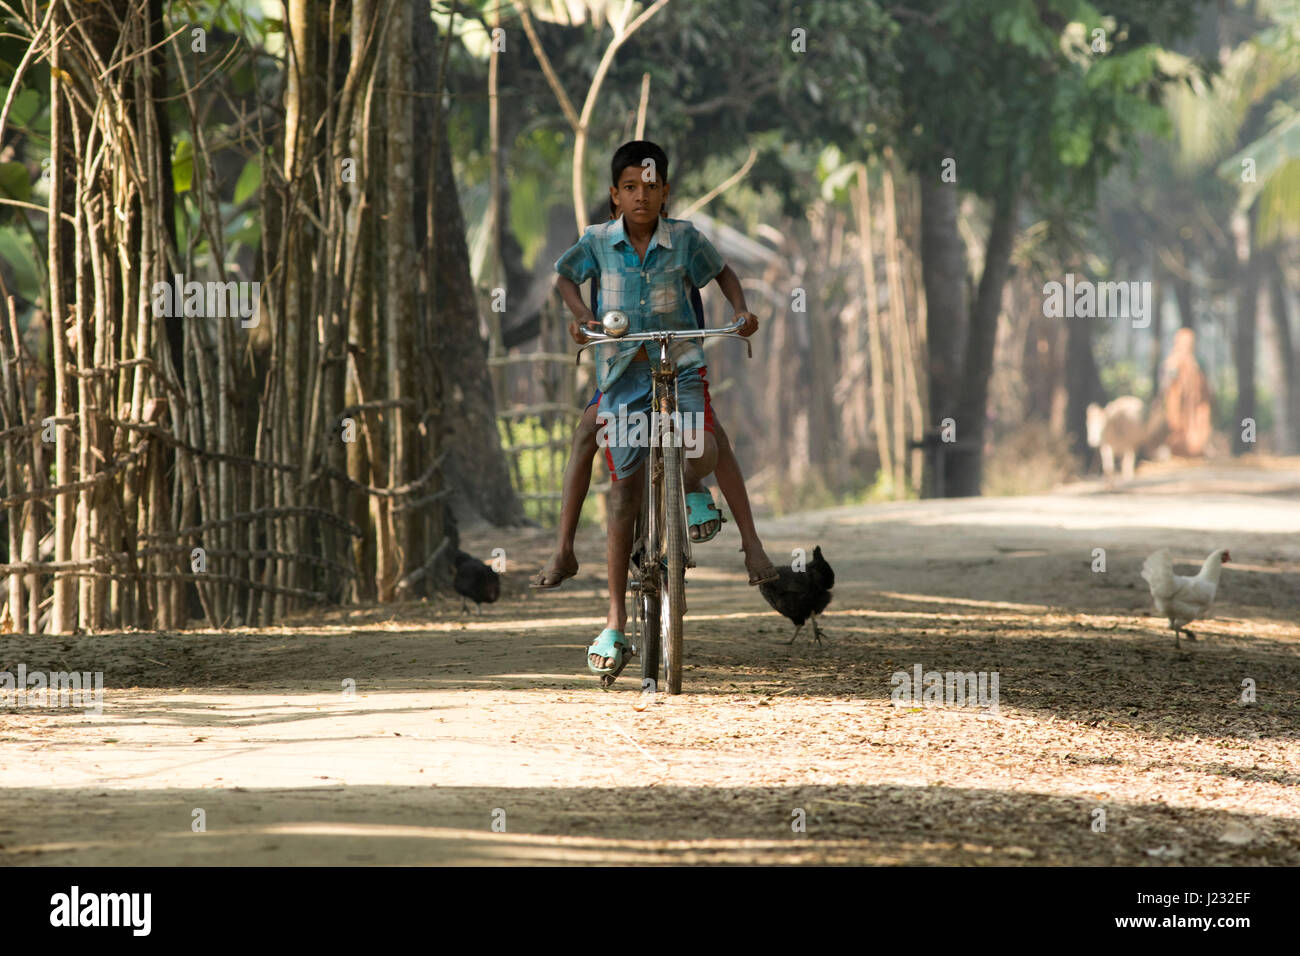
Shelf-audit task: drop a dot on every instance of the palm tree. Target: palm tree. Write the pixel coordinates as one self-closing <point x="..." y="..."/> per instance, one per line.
<point x="1247" y="102"/>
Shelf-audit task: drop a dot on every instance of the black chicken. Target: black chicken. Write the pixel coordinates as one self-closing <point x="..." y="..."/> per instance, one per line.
<point x="475" y="580"/>
<point x="800" y="595"/>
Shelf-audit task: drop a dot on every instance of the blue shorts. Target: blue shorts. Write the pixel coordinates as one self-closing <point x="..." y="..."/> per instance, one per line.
<point x="624" y="421"/>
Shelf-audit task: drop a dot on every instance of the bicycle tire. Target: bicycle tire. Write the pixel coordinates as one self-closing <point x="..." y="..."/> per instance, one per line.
<point x="648" y="608"/>
<point x="674" y="587"/>
<point x="647" y="598"/>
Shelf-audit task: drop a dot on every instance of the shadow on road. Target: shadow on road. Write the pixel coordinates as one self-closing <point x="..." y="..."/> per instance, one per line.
<point x="873" y="825"/>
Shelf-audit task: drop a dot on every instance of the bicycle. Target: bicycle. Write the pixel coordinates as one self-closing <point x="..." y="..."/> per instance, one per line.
<point x="661" y="548"/>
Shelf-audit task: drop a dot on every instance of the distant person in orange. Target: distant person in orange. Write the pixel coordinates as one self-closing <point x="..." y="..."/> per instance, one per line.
<point x="1187" y="398"/>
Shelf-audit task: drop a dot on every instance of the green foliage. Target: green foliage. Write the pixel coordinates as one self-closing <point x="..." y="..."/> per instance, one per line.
<point x="538" y="470"/>
<point x="249" y="80"/>
<point x="835" y="173"/>
<point x="1225" y="409"/>
<point x="17" y="251"/>
<point x="999" y="87"/>
<point x="725" y="76"/>
<point x="15" y="182"/>
<point x="1279" y="204"/>
<point x="22" y="233"/>
<point x="1276" y="158"/>
<point x="239" y="17"/>
<point x="537" y="155"/>
<point x="30" y="110"/>
<point x="26" y="129"/>
<point x="249" y="180"/>
<point x="1120" y="378"/>
<point x="183" y="166"/>
<point x="882" y="490"/>
<point x="1016" y="23"/>
<point x="25" y="107"/>
<point x="1254" y="99"/>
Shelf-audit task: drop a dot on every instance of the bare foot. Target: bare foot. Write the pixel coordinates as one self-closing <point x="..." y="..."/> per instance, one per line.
<point x="562" y="566"/>
<point x="606" y="662"/>
<point x="705" y="529"/>
<point x="760" y="567"/>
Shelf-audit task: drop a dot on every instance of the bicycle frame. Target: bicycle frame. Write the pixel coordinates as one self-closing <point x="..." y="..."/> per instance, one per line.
<point x="664" y="403"/>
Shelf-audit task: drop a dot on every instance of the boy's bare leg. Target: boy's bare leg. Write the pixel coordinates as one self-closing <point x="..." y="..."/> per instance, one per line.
<point x="624" y="503"/>
<point x="731" y="482"/>
<point x="698" y="468"/>
<point x="577" y="481"/>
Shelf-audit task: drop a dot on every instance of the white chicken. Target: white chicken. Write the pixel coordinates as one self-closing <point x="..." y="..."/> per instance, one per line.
<point x="1179" y="598"/>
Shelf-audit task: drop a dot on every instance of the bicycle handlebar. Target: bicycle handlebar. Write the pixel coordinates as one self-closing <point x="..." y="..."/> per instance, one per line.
<point x="669" y="334"/>
<point x="663" y="336"/>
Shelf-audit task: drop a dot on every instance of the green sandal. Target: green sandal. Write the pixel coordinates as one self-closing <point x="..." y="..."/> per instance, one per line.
<point x="610" y="643"/>
<point x="701" y="509"/>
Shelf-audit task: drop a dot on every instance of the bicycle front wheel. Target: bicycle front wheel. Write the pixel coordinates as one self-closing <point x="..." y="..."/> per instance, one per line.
<point x="647" y="595"/>
<point x="674" y="587"/>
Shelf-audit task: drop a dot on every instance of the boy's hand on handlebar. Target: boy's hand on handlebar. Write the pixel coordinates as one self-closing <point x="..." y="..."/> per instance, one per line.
<point x="751" y="323"/>
<point x="576" y="330"/>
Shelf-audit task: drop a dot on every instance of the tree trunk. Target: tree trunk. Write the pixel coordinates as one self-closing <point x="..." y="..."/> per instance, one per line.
<point x="1286" y="345"/>
<point x="1183" y="291"/>
<point x="943" y="273"/>
<point x="897" y="325"/>
<point x="475" y="466"/>
<point x="1157" y="338"/>
<point x="302" y="105"/>
<point x="969" y="464"/>
<point x="399" y="310"/>
<point x="62" y="153"/>
<point x="862" y="204"/>
<point x="159" y="101"/>
<point x="1244" y="339"/>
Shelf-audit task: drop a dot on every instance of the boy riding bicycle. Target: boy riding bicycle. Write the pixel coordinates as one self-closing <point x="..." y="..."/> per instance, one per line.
<point x="643" y="263"/>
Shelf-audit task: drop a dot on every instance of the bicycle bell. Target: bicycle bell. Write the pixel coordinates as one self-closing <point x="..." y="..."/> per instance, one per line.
<point x="615" y="323"/>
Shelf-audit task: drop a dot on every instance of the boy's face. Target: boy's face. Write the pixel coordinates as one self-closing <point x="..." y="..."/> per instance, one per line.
<point x="640" y="194"/>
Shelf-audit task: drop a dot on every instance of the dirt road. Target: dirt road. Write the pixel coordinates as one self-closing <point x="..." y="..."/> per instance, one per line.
<point x="483" y="739"/>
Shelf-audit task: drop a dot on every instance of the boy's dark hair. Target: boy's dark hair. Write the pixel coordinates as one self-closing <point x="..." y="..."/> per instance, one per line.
<point x="634" y="153"/>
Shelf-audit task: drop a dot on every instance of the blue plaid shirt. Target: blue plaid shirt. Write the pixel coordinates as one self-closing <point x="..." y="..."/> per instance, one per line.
<point x="654" y="294"/>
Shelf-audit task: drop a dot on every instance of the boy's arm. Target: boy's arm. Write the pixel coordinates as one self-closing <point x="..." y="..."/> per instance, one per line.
<point x="582" y="315"/>
<point x="578" y="264"/>
<point x="729" y="283"/>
